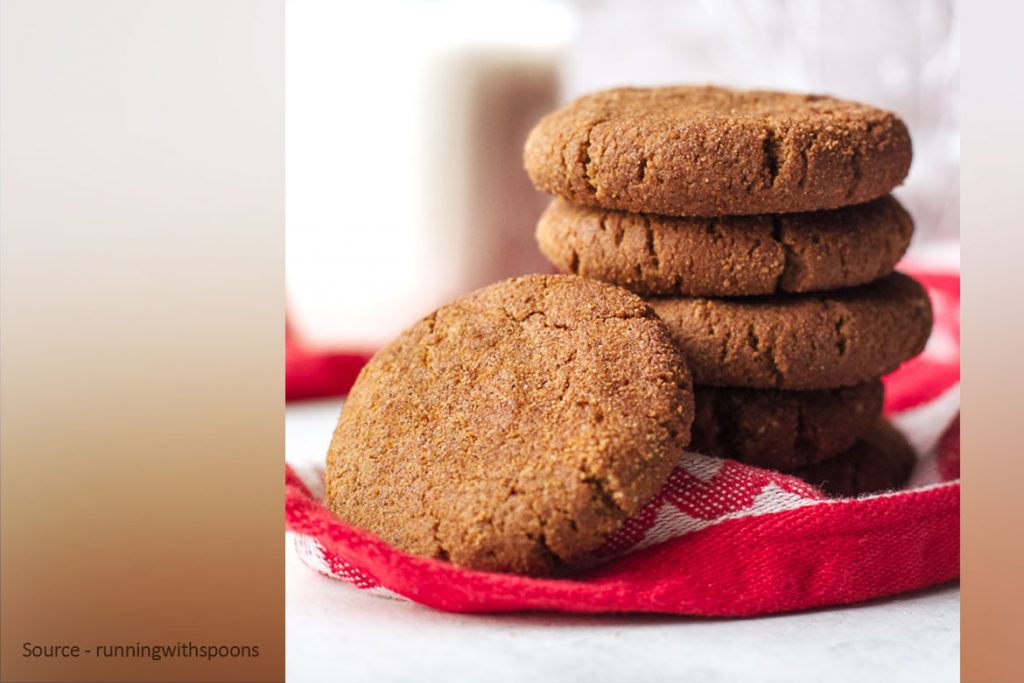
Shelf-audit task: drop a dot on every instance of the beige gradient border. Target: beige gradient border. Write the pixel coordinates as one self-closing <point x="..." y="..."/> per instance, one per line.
<point x="992" y="565"/>
<point x="141" y="339"/>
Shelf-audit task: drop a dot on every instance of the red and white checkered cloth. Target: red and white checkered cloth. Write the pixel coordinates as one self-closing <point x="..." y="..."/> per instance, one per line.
<point x="721" y="538"/>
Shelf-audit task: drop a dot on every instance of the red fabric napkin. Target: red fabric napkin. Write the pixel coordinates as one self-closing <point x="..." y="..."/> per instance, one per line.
<point x="720" y="539"/>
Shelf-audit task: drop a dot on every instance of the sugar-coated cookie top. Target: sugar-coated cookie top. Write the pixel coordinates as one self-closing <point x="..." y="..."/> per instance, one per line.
<point x="514" y="428"/>
<point x="708" y="151"/>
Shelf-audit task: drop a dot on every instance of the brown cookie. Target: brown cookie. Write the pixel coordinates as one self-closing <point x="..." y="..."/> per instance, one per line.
<point x="783" y="429"/>
<point x="881" y="460"/>
<point x="514" y="428"/>
<point x="727" y="256"/>
<point x="801" y="341"/>
<point x="707" y="151"/>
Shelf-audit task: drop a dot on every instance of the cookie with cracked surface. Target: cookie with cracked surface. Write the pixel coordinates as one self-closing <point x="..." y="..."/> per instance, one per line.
<point x="709" y="151"/>
<point x="730" y="255"/>
<point x="801" y="341"/>
<point x="783" y="430"/>
<point x="514" y="428"/>
<point x="881" y="460"/>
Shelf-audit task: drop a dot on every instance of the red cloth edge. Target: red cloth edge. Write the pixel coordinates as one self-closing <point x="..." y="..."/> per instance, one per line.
<point x="863" y="549"/>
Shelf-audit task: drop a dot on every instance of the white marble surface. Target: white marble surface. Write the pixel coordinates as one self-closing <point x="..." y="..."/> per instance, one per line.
<point x="336" y="633"/>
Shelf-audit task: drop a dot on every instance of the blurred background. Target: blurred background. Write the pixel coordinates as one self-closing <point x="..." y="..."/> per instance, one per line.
<point x="405" y="123"/>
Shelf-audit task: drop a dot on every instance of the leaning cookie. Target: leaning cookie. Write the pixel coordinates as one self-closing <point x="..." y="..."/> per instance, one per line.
<point x="783" y="430"/>
<point x="880" y="461"/>
<point x="707" y="151"/>
<point x="729" y="255"/>
<point x="515" y="428"/>
<point x="806" y="341"/>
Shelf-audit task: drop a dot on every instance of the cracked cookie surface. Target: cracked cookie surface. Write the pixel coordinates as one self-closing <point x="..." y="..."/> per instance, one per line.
<point x="783" y="430"/>
<point x="709" y="151"/>
<point x="881" y="460"/>
<point x="801" y="341"/>
<point x="727" y="256"/>
<point x="514" y="428"/>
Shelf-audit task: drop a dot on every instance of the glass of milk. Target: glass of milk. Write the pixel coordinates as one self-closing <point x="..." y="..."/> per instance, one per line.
<point x="404" y="134"/>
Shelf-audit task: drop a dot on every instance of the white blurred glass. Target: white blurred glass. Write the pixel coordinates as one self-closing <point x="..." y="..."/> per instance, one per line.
<point x="404" y="133"/>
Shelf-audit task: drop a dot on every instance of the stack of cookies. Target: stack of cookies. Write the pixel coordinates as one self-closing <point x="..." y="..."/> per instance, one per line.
<point x="759" y="227"/>
<point x="516" y="427"/>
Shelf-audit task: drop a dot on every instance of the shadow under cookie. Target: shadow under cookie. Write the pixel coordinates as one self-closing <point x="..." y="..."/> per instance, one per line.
<point x="783" y="430"/>
<point x="881" y="460"/>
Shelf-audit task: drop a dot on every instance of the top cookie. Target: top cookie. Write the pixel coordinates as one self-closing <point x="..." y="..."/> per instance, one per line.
<point x="514" y="428"/>
<point x="707" y="151"/>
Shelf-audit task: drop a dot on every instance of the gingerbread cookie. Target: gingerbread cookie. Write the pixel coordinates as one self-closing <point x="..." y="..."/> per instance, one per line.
<point x="783" y="430"/>
<point x="805" y="341"/>
<point x="881" y="460"/>
<point x="514" y="428"/>
<point x="708" y="151"/>
<point x="730" y="255"/>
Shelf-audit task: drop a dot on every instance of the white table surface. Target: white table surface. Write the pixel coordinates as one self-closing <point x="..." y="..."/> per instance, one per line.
<point x="337" y="633"/>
